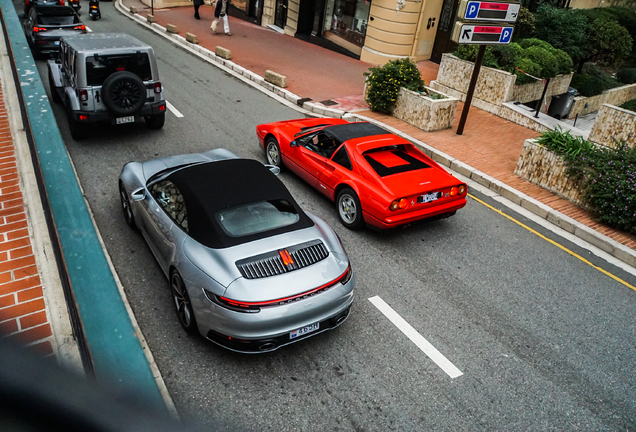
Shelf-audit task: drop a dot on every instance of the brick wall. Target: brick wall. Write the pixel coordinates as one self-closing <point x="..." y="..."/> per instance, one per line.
<point x="23" y="313"/>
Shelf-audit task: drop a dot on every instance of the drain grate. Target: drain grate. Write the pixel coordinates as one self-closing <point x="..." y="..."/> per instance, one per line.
<point x="328" y="102"/>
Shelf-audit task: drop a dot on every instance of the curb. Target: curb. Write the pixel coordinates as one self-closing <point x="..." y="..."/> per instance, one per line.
<point x="568" y="224"/>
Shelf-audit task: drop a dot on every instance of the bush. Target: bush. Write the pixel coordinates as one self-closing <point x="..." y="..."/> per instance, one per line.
<point x="384" y="83"/>
<point x="565" y="63"/>
<point x="524" y="26"/>
<point x="564" y="29"/>
<point x="627" y="76"/>
<point x="469" y="53"/>
<point x="607" y="176"/>
<point x="593" y="81"/>
<point x="630" y="105"/>
<point x="529" y="67"/>
<point x="609" y="42"/>
<point x="507" y="55"/>
<point x="527" y="43"/>
<point x="541" y="56"/>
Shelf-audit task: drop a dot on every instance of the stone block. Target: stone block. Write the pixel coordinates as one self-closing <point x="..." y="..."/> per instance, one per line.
<point x="150" y="18"/>
<point x="276" y="78"/>
<point x="536" y="207"/>
<point x="224" y="53"/>
<point x="171" y="28"/>
<point x="591" y="236"/>
<point x="133" y="10"/>
<point x="192" y="38"/>
<point x="562" y="221"/>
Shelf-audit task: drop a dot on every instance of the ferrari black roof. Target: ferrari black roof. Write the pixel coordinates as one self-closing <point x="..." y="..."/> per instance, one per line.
<point x="214" y="186"/>
<point x="347" y="131"/>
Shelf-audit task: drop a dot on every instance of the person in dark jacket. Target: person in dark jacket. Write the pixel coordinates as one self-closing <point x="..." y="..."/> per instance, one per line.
<point x="197" y="4"/>
<point x="221" y="12"/>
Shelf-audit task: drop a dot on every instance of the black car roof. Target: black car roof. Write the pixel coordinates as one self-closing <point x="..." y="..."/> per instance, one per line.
<point x="347" y="131"/>
<point x="214" y="186"/>
<point x="54" y="10"/>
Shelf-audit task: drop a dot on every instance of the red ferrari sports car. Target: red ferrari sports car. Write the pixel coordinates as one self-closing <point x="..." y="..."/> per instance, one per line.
<point x="373" y="176"/>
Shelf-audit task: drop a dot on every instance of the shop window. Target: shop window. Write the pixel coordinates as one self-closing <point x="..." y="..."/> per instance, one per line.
<point x="347" y="19"/>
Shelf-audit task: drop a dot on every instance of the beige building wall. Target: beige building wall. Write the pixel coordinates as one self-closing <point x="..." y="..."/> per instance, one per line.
<point x="293" y="6"/>
<point x="268" y="12"/>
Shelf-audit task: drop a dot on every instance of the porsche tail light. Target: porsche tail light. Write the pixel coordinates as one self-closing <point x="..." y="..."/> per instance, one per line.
<point x="39" y="29"/>
<point x="157" y="87"/>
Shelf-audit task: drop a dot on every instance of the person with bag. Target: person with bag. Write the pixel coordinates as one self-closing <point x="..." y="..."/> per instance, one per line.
<point x="220" y="11"/>
<point x="197" y="4"/>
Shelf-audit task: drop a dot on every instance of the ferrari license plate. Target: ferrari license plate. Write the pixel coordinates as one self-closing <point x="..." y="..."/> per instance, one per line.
<point x="428" y="197"/>
<point x="122" y="120"/>
<point x="304" y="330"/>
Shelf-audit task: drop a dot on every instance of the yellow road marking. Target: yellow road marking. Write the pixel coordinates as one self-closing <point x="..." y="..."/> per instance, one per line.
<point x="617" y="279"/>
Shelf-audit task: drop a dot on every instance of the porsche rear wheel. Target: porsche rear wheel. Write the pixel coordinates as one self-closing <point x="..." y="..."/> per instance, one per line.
<point x="272" y="151"/>
<point x="349" y="209"/>
<point x="182" y="303"/>
<point x="125" y="206"/>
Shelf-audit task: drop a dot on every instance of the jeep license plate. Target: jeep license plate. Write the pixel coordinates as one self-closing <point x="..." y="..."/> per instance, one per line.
<point x="122" y="120"/>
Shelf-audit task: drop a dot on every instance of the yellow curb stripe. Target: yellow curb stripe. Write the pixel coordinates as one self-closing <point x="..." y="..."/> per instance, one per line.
<point x="617" y="279"/>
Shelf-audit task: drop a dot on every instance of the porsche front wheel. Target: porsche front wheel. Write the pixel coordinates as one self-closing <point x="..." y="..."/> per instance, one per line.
<point x="182" y="303"/>
<point x="272" y="151"/>
<point x="349" y="209"/>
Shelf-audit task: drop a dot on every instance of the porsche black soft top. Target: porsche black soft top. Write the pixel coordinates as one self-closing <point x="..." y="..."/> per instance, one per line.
<point x="347" y="131"/>
<point x="215" y="186"/>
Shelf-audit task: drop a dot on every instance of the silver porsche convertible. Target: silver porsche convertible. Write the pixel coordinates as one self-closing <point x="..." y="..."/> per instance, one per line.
<point x="248" y="268"/>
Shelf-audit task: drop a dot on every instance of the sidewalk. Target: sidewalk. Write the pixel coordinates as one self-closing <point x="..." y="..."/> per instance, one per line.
<point x="489" y="144"/>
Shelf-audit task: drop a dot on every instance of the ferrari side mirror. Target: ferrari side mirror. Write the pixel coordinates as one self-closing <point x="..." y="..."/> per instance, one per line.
<point x="138" y="194"/>
<point x="293" y="144"/>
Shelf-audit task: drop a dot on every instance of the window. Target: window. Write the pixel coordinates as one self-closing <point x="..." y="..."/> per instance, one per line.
<point x="257" y="217"/>
<point x="171" y="200"/>
<point x="101" y="67"/>
<point x="58" y="20"/>
<point x="319" y="143"/>
<point x="342" y="158"/>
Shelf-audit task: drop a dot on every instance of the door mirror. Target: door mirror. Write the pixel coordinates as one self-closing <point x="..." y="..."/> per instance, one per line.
<point x="293" y="144"/>
<point x="138" y="194"/>
<point x="274" y="169"/>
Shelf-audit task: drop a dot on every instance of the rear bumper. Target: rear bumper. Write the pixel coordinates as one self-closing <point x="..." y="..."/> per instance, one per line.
<point x="404" y="218"/>
<point x="148" y="109"/>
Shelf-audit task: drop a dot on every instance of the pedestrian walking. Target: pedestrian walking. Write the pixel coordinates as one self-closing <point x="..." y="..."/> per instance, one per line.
<point x="220" y="11"/>
<point x="197" y="4"/>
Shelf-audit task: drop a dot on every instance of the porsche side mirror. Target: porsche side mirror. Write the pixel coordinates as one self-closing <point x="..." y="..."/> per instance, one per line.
<point x="293" y="144"/>
<point x="274" y="169"/>
<point x="138" y="194"/>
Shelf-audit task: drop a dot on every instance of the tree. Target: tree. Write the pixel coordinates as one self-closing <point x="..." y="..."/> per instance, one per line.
<point x="564" y="29"/>
<point x="609" y="43"/>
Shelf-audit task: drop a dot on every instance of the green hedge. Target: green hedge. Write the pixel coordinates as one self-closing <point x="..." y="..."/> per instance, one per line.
<point x="630" y="105"/>
<point x="607" y="176"/>
<point x="627" y="75"/>
<point x="384" y="82"/>
<point x="593" y="81"/>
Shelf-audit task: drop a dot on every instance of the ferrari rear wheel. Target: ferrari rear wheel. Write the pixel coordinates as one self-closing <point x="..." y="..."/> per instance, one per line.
<point x="349" y="209"/>
<point x="182" y="303"/>
<point x="272" y="151"/>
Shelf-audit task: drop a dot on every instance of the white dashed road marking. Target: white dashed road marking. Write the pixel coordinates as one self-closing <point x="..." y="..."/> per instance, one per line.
<point x="416" y="338"/>
<point x="173" y="110"/>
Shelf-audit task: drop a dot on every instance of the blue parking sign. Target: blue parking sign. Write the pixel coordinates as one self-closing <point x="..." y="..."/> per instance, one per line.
<point x="506" y="34"/>
<point x="472" y="9"/>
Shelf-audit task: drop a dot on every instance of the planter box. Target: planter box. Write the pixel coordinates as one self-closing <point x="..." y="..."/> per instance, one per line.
<point x="424" y="112"/>
<point x="540" y="166"/>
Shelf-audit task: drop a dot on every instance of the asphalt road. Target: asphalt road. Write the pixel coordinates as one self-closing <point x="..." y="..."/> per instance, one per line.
<point x="543" y="340"/>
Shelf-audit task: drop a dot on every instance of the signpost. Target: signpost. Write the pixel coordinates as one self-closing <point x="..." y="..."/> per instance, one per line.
<point x="482" y="23"/>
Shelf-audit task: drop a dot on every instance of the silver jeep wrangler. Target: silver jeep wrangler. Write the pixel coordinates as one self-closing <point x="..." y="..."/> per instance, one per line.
<point x="106" y="78"/>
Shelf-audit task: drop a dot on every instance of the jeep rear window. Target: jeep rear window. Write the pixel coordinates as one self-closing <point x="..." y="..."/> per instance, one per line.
<point x="98" y="70"/>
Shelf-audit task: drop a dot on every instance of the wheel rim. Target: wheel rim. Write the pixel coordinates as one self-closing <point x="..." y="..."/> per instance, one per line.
<point x="181" y="301"/>
<point x="125" y="204"/>
<point x="125" y="94"/>
<point x="347" y="208"/>
<point x="272" y="154"/>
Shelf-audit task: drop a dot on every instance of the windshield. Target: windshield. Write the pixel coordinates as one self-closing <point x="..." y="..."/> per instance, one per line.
<point x="100" y="68"/>
<point x="257" y="217"/>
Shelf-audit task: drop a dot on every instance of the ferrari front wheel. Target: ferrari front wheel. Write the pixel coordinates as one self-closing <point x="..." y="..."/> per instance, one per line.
<point x="349" y="209"/>
<point x="272" y="151"/>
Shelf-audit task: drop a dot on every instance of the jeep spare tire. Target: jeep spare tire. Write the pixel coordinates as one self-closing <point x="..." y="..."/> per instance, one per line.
<point x="123" y="93"/>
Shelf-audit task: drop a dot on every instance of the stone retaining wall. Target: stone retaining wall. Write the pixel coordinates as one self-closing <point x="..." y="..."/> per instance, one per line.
<point x="616" y="96"/>
<point x="616" y="122"/>
<point x="424" y="112"/>
<point x="532" y="91"/>
<point x="540" y="166"/>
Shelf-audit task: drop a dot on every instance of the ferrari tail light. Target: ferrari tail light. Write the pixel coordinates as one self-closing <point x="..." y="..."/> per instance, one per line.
<point x="453" y="191"/>
<point x="400" y="204"/>
<point x="39" y="29"/>
<point x="83" y="95"/>
<point x="157" y="87"/>
<point x="462" y="189"/>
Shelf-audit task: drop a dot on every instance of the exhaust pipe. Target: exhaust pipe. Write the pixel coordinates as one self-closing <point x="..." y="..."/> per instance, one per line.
<point x="267" y="346"/>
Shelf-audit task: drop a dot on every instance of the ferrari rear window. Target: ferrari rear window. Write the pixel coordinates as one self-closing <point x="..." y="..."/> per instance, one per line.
<point x="393" y="161"/>
<point x="257" y="217"/>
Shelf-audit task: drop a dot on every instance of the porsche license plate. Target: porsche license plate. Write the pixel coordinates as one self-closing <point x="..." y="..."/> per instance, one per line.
<point x="122" y="120"/>
<point x="304" y="330"/>
<point x="56" y="43"/>
<point x="428" y="197"/>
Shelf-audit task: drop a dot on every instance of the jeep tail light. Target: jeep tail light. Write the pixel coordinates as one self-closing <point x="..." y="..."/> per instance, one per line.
<point x="83" y="116"/>
<point x="162" y="107"/>
<point x="157" y="87"/>
<point x="83" y="95"/>
<point x="39" y="29"/>
<point x="79" y="27"/>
